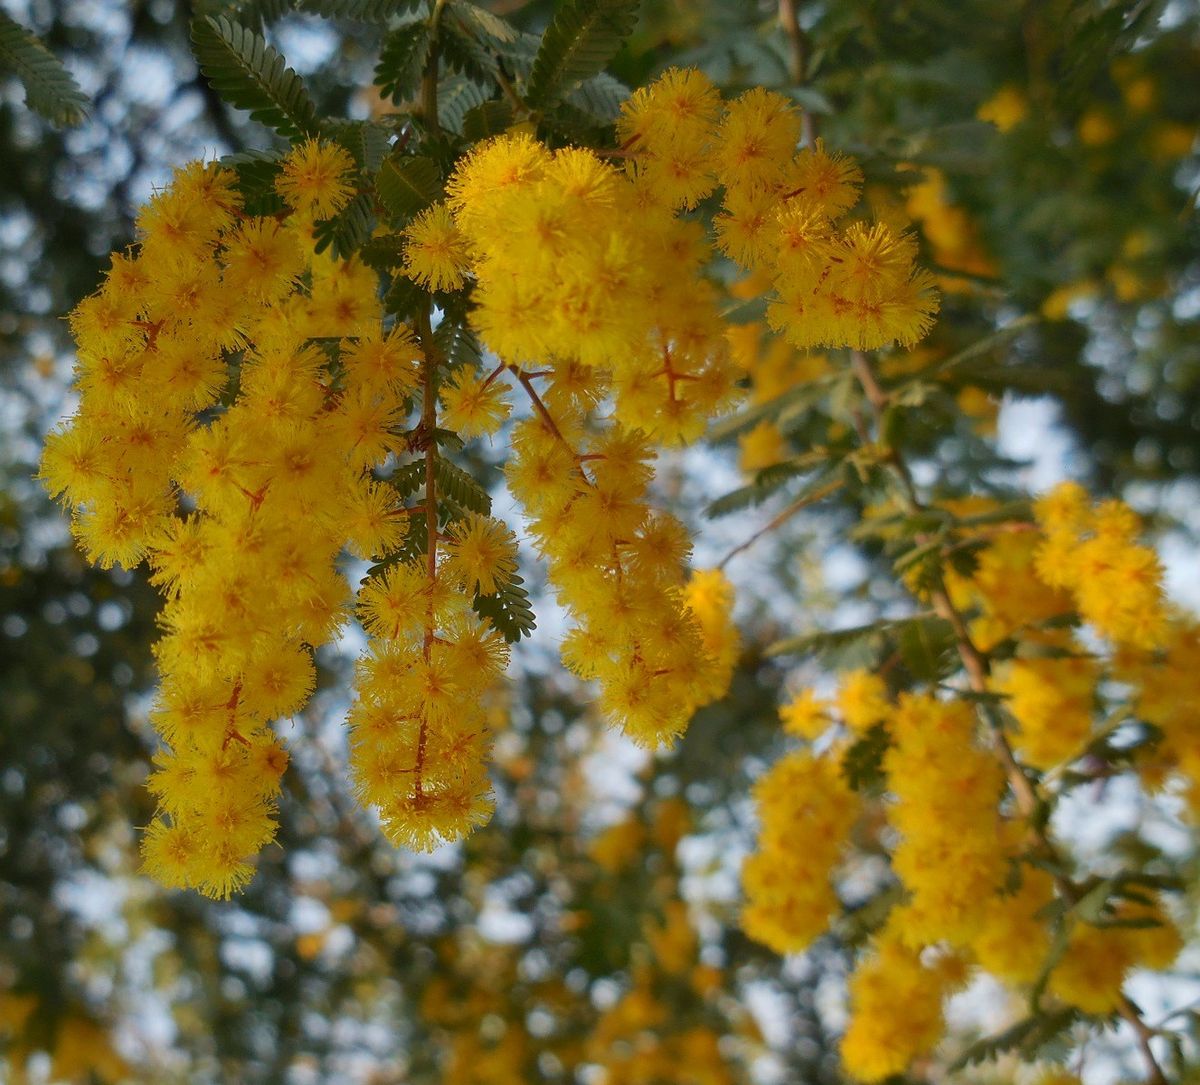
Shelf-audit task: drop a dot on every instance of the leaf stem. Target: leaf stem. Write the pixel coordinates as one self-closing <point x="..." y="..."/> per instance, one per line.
<point x="802" y="502"/>
<point x="800" y="52"/>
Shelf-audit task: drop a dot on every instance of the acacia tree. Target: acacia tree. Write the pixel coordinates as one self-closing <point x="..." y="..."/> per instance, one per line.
<point x="289" y="364"/>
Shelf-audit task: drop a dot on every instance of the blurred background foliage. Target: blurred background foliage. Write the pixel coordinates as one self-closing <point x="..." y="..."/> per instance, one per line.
<point x="1046" y="153"/>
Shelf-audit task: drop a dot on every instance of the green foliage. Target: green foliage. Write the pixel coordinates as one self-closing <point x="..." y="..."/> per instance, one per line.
<point x="50" y="90"/>
<point x="599" y="97"/>
<point x="366" y="11"/>
<point x="1026" y="1038"/>
<point x="928" y="649"/>
<point x="509" y="610"/>
<point x="398" y="73"/>
<point x="457" y="96"/>
<point x="862" y="763"/>
<point x="404" y="297"/>
<point x="486" y="119"/>
<point x="461" y="487"/>
<point x="256" y="172"/>
<point x="348" y="229"/>
<point x="408" y="479"/>
<point x="252" y="75"/>
<point x="582" y="38"/>
<point x="847" y="647"/>
<point x="408" y="185"/>
<point x="456" y="342"/>
<point x="771" y="479"/>
<point x="366" y="141"/>
<point x="484" y="22"/>
<point x="461" y="51"/>
<point x="384" y="252"/>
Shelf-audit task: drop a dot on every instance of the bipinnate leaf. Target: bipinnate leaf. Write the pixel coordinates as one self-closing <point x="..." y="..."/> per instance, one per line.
<point x="252" y="75"/>
<point x="408" y="185"/>
<point x="50" y="90"/>
<point x="582" y="38"/>
<point x="362" y="11"/>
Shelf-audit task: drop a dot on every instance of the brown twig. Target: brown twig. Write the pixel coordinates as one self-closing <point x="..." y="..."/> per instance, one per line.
<point x="543" y="413"/>
<point x="800" y="51"/>
<point x="1144" y="1033"/>
<point x="796" y="506"/>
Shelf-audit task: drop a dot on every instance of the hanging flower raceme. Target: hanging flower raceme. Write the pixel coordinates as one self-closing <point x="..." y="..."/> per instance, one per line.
<point x="946" y="791"/>
<point x="236" y="380"/>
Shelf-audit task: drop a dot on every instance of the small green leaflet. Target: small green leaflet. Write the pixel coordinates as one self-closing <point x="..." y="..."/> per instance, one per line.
<point x="408" y="185"/>
<point x="398" y="73"/>
<point x="582" y="38"/>
<point x="508" y="610"/>
<point x="50" y="90"/>
<point x="363" y="11"/>
<point x="252" y="75"/>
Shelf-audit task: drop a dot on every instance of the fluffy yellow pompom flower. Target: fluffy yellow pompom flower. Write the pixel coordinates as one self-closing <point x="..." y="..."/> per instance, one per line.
<point x="756" y="140"/>
<point x="709" y="596"/>
<point x="474" y="406"/>
<point x="896" y="1012"/>
<point x="1094" y="553"/>
<point x="435" y="250"/>
<point x="805" y="715"/>
<point x="1053" y="701"/>
<point x="863" y="700"/>
<point x="680" y="106"/>
<point x="482" y="551"/>
<point x="316" y="178"/>
<point x="807" y="811"/>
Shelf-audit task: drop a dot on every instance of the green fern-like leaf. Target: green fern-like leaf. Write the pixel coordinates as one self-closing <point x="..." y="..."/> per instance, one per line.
<point x="416" y="539"/>
<point x="457" y="96"/>
<point x="408" y="185"/>
<point x="508" y="610"/>
<point x="362" y="11"/>
<point x="366" y="141"/>
<point x="487" y="119"/>
<point x="345" y="233"/>
<point x="862" y="763"/>
<point x="457" y="343"/>
<point x="252" y="75"/>
<point x="600" y="97"/>
<point x="407" y="480"/>
<point x="460" y="487"/>
<point x="771" y="479"/>
<point x="859" y="639"/>
<point x="256" y="172"/>
<point x="1025" y="1037"/>
<point x="582" y="38"/>
<point x="463" y="53"/>
<point x="566" y="123"/>
<point x="404" y="297"/>
<point x="50" y="90"/>
<point x="483" y="21"/>
<point x="383" y="253"/>
<point x="398" y="73"/>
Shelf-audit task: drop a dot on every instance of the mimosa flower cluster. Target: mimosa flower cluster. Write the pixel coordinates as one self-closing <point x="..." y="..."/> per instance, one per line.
<point x="967" y="851"/>
<point x="206" y="469"/>
<point x="171" y="459"/>
<point x="249" y="413"/>
<point x="597" y="285"/>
